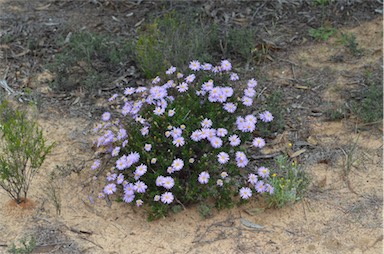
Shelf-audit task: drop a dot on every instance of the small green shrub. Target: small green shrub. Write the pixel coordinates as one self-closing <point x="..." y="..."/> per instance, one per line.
<point x="370" y="107"/>
<point x="88" y="61"/>
<point x="289" y="181"/>
<point x="334" y="114"/>
<point x="26" y="246"/>
<point x="22" y="151"/>
<point x="322" y="33"/>
<point x="205" y="210"/>
<point x="349" y="41"/>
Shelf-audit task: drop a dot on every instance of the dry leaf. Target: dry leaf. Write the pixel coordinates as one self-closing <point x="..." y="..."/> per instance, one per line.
<point x="254" y="211"/>
<point x="139" y="23"/>
<point x="301" y="87"/>
<point x="42" y="8"/>
<point x="21" y="54"/>
<point x="297" y="153"/>
<point x="241" y="21"/>
<point x="249" y="224"/>
<point x="76" y="101"/>
<point x="312" y="140"/>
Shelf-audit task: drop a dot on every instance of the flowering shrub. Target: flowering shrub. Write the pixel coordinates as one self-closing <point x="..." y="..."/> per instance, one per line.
<point x="183" y="140"/>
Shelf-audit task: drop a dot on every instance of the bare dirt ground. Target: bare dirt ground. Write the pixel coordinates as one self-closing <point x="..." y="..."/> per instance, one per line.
<point x="341" y="213"/>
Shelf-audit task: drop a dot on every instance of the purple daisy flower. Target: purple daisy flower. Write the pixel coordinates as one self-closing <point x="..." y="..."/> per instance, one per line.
<point x="252" y="178"/>
<point x="179" y="141"/>
<point x="226" y="65"/>
<point x="216" y="142"/>
<point x="269" y="189"/>
<point x="190" y="78"/>
<point x="115" y="151"/>
<point x="245" y="193"/>
<point x="263" y="172"/>
<point x="206" y="66"/>
<point x="110" y="189"/>
<point x="171" y="70"/>
<point x="223" y="157"/>
<point x="230" y="107"/>
<point x="234" y="77"/>
<point x="195" y="65"/>
<point x="252" y="83"/>
<point x="106" y="116"/>
<point x="221" y="132"/>
<point x="177" y="164"/>
<point x="196" y="135"/>
<point x="247" y="101"/>
<point x="258" y="142"/>
<point x="241" y="159"/>
<point x="160" y="181"/>
<point x="203" y="177"/>
<point x="168" y="182"/>
<point x="111" y="176"/>
<point x="120" y="179"/>
<point x="250" y="92"/>
<point x="128" y="197"/>
<point x="266" y="116"/>
<point x="167" y="197"/>
<point x="140" y="187"/>
<point x="206" y="123"/>
<point x="95" y="165"/>
<point x="260" y="187"/>
<point x="183" y="87"/>
<point x="234" y="140"/>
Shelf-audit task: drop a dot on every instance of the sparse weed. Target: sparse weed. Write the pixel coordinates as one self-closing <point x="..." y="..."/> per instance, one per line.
<point x="276" y="107"/>
<point x="349" y="157"/>
<point x="53" y="191"/>
<point x="289" y="181"/>
<point x="322" y="33"/>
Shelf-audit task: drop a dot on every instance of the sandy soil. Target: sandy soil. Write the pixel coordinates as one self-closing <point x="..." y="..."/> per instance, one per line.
<point x="337" y="216"/>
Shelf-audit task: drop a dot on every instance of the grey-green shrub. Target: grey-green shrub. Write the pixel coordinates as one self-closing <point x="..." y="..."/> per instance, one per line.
<point x="23" y="150"/>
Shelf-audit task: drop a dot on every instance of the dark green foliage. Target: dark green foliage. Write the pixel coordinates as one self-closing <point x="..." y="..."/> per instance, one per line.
<point x="241" y="43"/>
<point x="173" y="39"/>
<point x="88" y="61"/>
